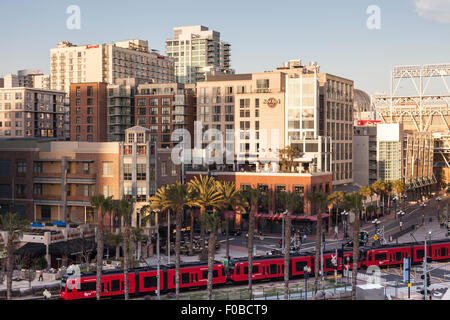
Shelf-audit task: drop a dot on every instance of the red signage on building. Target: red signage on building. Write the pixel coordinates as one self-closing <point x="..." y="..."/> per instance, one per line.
<point x="91" y="47"/>
<point x="272" y="102"/>
<point x="367" y="122"/>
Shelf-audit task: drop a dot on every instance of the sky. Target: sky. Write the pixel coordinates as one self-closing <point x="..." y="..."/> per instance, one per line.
<point x="263" y="34"/>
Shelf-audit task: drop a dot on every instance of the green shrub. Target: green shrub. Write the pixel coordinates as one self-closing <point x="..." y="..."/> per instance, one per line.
<point x="40" y="263"/>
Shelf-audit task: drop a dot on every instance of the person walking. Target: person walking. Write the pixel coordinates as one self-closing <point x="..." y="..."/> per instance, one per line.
<point x="41" y="275"/>
<point x="336" y="231"/>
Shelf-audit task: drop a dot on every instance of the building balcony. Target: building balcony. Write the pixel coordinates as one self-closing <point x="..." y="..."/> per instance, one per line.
<point x="91" y="176"/>
<point x="78" y="198"/>
<point x="47" y="197"/>
<point x="47" y="175"/>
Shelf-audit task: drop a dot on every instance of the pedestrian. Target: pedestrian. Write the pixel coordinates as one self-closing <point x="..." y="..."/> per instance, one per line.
<point x="336" y="231"/>
<point x="41" y="275"/>
<point x="304" y="238"/>
<point x="281" y="243"/>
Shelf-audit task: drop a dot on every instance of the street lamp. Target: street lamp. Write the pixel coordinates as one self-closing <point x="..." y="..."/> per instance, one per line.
<point x="282" y="232"/>
<point x="344" y="222"/>
<point x="438" y="199"/>
<point x="401" y="213"/>
<point x="307" y="270"/>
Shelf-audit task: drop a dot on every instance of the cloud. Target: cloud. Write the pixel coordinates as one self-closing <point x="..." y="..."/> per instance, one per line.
<point x="438" y="10"/>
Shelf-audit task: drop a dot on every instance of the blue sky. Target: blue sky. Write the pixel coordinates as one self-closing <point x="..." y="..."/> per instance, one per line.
<point x="263" y="34"/>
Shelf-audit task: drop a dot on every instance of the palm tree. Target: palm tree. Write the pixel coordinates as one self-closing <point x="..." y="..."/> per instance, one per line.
<point x="232" y="199"/>
<point x="318" y="199"/>
<point x="331" y="200"/>
<point x="287" y="156"/>
<point x="114" y="240"/>
<point x="124" y="209"/>
<point x="14" y="226"/>
<point x="291" y="202"/>
<point x="103" y="205"/>
<point x="178" y="199"/>
<point x="353" y="203"/>
<point x="388" y="189"/>
<point x="252" y="196"/>
<point x="399" y="188"/>
<point x="378" y="190"/>
<point x="205" y="195"/>
<point x="137" y="236"/>
<point x="365" y="192"/>
<point x="211" y="221"/>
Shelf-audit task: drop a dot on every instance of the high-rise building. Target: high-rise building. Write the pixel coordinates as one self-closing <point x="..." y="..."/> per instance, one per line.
<point x="121" y="107"/>
<point x="31" y="112"/>
<point x="365" y="168"/>
<point x="70" y="63"/>
<point x="88" y="109"/>
<point x="198" y="51"/>
<point x="163" y="108"/>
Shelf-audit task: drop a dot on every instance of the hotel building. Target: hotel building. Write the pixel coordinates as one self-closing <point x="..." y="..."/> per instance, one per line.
<point x="292" y="105"/>
<point x="71" y="63"/>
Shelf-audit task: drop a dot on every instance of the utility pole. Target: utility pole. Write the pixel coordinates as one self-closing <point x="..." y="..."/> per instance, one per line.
<point x="425" y="289"/>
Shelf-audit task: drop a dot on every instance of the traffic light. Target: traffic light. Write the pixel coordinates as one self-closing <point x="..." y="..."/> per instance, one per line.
<point x="428" y="279"/>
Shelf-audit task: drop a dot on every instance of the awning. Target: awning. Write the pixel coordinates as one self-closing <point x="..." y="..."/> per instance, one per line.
<point x="31" y="249"/>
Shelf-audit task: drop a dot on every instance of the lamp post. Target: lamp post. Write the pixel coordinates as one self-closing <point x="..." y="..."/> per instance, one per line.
<point x="344" y="222"/>
<point x="283" y="232"/>
<point x="401" y="213"/>
<point x="307" y="270"/>
<point x="438" y="199"/>
<point x="425" y="286"/>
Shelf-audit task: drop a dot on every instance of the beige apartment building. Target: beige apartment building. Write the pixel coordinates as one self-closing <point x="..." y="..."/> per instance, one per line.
<point x="31" y="112"/>
<point x="292" y="105"/>
<point x="71" y="63"/>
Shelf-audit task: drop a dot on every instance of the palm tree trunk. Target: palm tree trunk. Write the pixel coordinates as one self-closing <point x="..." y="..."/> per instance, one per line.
<point x="251" y="232"/>
<point x="99" y="254"/>
<point x="202" y="233"/>
<point x="355" y="254"/>
<point x="287" y="249"/>
<point x="227" y="239"/>
<point x="126" y="260"/>
<point x="9" y="266"/>
<point x="211" y="249"/>
<point x="177" y="252"/>
<point x="191" y="244"/>
<point x="330" y="209"/>
<point x="318" y="245"/>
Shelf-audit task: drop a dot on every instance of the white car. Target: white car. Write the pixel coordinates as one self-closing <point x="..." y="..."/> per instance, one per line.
<point x="423" y="205"/>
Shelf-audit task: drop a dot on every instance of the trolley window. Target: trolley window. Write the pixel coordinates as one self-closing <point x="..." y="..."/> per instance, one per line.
<point x="300" y="265"/>
<point x="398" y="256"/>
<point x="205" y="274"/>
<point x="150" y="282"/>
<point x="88" y="286"/>
<point x="273" y="269"/>
<point x="443" y="252"/>
<point x="185" y="278"/>
<point x="215" y="273"/>
<point x="380" y="256"/>
<point x="255" y="269"/>
<point x="420" y="253"/>
<point x="115" y="285"/>
<point x="245" y="270"/>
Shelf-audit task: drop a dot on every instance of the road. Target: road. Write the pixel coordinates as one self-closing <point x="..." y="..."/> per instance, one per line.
<point x="415" y="214"/>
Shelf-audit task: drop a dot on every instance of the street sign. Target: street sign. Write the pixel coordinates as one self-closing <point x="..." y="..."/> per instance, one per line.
<point x="405" y="269"/>
<point x="375" y="238"/>
<point x="409" y="285"/>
